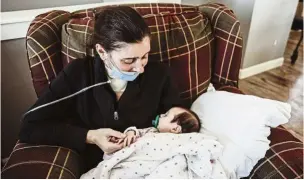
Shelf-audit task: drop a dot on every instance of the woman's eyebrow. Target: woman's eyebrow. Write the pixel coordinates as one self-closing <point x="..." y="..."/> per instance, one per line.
<point x="136" y="57"/>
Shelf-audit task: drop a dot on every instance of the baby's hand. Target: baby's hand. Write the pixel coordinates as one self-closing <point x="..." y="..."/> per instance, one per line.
<point x="130" y="138"/>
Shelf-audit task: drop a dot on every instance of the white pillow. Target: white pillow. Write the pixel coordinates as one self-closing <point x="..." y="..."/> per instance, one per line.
<point x="242" y="124"/>
<point x="211" y="88"/>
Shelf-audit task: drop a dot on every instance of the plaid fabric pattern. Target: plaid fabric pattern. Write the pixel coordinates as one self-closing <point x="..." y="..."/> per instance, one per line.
<point x="43" y="44"/>
<point x="181" y="37"/>
<point x="41" y="161"/>
<point x="228" y="44"/>
<point x="201" y="44"/>
<point x="284" y="159"/>
<point x="76" y="37"/>
<point x="231" y="89"/>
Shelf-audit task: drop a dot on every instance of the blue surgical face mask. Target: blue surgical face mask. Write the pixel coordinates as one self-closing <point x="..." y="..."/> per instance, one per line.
<point x="114" y="72"/>
<point x="126" y="76"/>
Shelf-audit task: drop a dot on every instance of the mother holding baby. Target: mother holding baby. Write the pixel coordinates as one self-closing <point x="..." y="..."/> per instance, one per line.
<point x="138" y="91"/>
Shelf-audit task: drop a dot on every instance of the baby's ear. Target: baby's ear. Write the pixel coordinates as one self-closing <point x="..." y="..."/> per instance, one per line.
<point x="176" y="130"/>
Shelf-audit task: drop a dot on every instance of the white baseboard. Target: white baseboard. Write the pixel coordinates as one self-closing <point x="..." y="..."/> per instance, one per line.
<point x="14" y="24"/>
<point x="256" y="69"/>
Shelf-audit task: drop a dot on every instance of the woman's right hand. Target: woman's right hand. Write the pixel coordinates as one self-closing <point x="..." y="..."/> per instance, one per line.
<point x="101" y="137"/>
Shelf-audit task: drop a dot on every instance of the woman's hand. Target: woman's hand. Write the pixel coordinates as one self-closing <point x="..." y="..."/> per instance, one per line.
<point x="101" y="137"/>
<point x="130" y="138"/>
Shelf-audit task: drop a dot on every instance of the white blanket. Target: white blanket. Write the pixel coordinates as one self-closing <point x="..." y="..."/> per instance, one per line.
<point x="164" y="155"/>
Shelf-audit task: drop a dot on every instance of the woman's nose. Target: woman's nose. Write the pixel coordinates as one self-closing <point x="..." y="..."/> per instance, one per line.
<point x="139" y="66"/>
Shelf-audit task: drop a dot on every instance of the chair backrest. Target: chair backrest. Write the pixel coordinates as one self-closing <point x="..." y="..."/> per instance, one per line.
<point x="199" y="43"/>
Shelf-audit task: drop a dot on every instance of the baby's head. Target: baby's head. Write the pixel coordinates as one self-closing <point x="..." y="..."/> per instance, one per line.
<point x="178" y="120"/>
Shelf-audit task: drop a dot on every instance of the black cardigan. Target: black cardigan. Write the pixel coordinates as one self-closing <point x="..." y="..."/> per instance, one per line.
<point x="66" y="123"/>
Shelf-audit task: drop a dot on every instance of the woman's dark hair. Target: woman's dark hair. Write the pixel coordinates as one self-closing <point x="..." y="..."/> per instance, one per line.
<point x="116" y="25"/>
<point x="189" y="121"/>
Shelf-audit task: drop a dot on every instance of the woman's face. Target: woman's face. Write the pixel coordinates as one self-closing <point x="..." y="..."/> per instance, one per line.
<point x="132" y="57"/>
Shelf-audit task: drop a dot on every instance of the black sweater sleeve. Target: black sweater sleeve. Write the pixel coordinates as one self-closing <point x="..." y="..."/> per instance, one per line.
<point x="50" y="125"/>
<point x="170" y="96"/>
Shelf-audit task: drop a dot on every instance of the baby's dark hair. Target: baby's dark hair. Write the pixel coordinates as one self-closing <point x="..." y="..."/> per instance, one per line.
<point x="189" y="121"/>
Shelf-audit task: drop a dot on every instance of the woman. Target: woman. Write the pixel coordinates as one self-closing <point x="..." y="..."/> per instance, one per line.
<point x="137" y="93"/>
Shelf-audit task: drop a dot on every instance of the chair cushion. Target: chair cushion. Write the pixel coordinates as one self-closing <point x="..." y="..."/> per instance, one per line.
<point x="181" y="37"/>
<point x="42" y="161"/>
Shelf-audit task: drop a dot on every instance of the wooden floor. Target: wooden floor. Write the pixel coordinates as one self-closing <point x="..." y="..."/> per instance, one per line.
<point x="284" y="84"/>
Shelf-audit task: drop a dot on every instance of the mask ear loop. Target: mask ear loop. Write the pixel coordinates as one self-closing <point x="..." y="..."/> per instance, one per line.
<point x="107" y="61"/>
<point x="110" y="63"/>
<point x="113" y="64"/>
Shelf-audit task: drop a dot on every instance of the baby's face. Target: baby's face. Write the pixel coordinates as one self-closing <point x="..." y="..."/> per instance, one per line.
<point x="165" y="121"/>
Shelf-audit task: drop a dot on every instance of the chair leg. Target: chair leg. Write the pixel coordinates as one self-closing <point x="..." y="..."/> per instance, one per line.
<point x="294" y="55"/>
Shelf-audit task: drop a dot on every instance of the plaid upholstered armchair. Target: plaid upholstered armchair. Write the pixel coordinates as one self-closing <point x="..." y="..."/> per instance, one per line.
<point x="201" y="44"/>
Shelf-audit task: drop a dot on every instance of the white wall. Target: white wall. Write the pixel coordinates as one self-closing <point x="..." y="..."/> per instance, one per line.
<point x="161" y="1"/>
<point x="16" y="5"/>
<point x="265" y="26"/>
<point x="269" y="30"/>
<point x="17" y="92"/>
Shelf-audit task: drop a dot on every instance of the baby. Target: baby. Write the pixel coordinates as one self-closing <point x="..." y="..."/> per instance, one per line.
<point x="176" y="120"/>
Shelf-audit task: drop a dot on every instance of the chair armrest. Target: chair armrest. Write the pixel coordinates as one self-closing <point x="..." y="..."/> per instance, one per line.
<point x="228" y="43"/>
<point x="231" y="89"/>
<point x="41" y="161"/>
<point x="43" y="42"/>
<point x="284" y="159"/>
